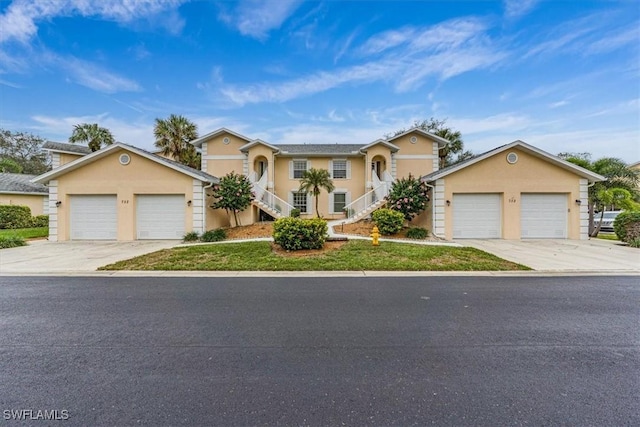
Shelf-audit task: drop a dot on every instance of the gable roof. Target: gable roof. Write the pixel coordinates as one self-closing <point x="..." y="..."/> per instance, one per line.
<point x="61" y="147"/>
<point x="255" y="142"/>
<point x="198" y="141"/>
<point x="441" y="141"/>
<point x="591" y="176"/>
<point x="179" y="167"/>
<point x="384" y="142"/>
<point x="17" y="183"/>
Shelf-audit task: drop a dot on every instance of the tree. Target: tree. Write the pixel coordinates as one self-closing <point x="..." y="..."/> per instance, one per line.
<point x="408" y="196"/>
<point x="454" y="147"/>
<point x="173" y="137"/>
<point x="233" y="194"/>
<point x="93" y="135"/>
<point x="605" y="194"/>
<point x="8" y="165"/>
<point x="25" y="150"/>
<point x="313" y="181"/>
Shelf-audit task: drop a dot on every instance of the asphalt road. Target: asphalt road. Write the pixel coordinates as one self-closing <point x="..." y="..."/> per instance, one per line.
<point x="321" y="351"/>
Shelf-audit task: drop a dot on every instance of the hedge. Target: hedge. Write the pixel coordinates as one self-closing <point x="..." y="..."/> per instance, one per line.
<point x="627" y="225"/>
<point x="388" y="221"/>
<point x="14" y="216"/>
<point x="294" y="234"/>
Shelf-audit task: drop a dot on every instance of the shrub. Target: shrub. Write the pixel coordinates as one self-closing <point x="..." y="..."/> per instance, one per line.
<point x="11" y="242"/>
<point x="216" y="235"/>
<point x="294" y="234"/>
<point x="191" y="236"/>
<point x="14" y="216"/>
<point x="295" y="213"/>
<point x="635" y="243"/>
<point x="627" y="225"/>
<point x="40" y="221"/>
<point x="409" y="196"/>
<point x="417" y="233"/>
<point x="388" y="221"/>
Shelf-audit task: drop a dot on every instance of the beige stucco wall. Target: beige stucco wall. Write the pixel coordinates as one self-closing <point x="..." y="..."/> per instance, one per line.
<point x="34" y="202"/>
<point x="219" y="159"/>
<point x="108" y="176"/>
<point x="529" y="175"/>
<point x="67" y="157"/>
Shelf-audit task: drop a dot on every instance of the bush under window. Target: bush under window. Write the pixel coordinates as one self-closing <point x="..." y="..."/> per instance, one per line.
<point x="295" y="234"/>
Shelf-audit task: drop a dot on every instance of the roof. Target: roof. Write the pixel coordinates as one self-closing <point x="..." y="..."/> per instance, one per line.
<point x="245" y="147"/>
<point x="384" y="142"/>
<point x="441" y="141"/>
<point x="68" y="167"/>
<point x="62" y="147"/>
<point x="198" y="141"/>
<point x="319" y="149"/>
<point x="17" y="183"/>
<point x="585" y="173"/>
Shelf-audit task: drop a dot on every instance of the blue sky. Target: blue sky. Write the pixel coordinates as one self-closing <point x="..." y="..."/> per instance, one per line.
<point x="561" y="75"/>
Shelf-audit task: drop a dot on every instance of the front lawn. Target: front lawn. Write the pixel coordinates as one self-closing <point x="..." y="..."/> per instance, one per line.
<point x="26" y="233"/>
<point x="355" y="255"/>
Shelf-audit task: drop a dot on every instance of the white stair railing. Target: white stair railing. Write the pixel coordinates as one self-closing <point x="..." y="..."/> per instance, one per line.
<point x="270" y="201"/>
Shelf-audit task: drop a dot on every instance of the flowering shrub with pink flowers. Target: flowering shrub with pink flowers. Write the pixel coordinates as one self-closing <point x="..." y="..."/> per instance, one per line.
<point x="233" y="194"/>
<point x="408" y="196"/>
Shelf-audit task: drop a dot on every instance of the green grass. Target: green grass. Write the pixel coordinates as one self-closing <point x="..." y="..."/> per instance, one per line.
<point x="607" y="236"/>
<point x="355" y="255"/>
<point x="26" y="233"/>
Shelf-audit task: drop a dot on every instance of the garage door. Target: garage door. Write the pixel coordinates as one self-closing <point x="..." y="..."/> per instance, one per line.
<point x="476" y="216"/>
<point x="160" y="216"/>
<point x="543" y="216"/>
<point x="93" y="218"/>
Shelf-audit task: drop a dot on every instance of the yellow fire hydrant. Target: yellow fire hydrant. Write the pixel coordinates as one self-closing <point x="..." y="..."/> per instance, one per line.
<point x="375" y="236"/>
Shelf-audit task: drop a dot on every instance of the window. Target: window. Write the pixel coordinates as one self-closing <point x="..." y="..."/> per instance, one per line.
<point x="339" y="202"/>
<point x="339" y="169"/>
<point x="300" y="201"/>
<point x="299" y="168"/>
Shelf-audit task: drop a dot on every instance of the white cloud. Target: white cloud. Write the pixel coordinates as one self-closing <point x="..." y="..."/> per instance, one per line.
<point x="95" y="77"/>
<point x="615" y="40"/>
<point x="255" y="18"/>
<point x="441" y="51"/>
<point x="514" y="9"/>
<point x="19" y="22"/>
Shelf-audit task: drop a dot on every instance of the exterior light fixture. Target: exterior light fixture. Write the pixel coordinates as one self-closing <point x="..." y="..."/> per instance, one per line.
<point x="448" y="202"/>
<point x="189" y="203"/>
<point x="58" y="203"/>
<point x="578" y="202"/>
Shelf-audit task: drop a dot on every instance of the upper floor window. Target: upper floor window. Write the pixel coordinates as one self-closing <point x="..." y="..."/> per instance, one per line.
<point x="340" y="169"/>
<point x="298" y="168"/>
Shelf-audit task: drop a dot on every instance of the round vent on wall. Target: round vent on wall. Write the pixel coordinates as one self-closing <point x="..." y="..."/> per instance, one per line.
<point x="413" y="139"/>
<point x="225" y="140"/>
<point x="124" y="159"/>
<point x="512" y="158"/>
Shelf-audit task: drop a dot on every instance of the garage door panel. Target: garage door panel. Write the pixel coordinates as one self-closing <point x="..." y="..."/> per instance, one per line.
<point x="543" y="216"/>
<point x="160" y="216"/>
<point x="93" y="217"/>
<point x="477" y="216"/>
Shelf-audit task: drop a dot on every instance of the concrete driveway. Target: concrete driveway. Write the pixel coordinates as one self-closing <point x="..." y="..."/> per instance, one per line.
<point x="42" y="256"/>
<point x="563" y="255"/>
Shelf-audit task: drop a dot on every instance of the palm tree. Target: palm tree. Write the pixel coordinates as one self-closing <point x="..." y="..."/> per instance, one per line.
<point x="91" y="133"/>
<point x="621" y="180"/>
<point x="313" y="181"/>
<point x="173" y="137"/>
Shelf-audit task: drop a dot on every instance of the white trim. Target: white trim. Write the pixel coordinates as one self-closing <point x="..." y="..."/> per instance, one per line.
<point x="394" y="165"/>
<point x="584" y="209"/>
<point x="436" y="156"/>
<point x="380" y="141"/>
<point x="439" y="209"/>
<point x="25" y="193"/>
<point x="55" y="160"/>
<point x="45" y="205"/>
<point x="245" y="164"/>
<point x="53" y="211"/>
<point x="197" y="207"/>
<point x="246" y="147"/>
<point x="347" y="197"/>
<point x="414" y="156"/>
<point x="224" y="157"/>
<point x="199" y="141"/>
<point x="424" y="133"/>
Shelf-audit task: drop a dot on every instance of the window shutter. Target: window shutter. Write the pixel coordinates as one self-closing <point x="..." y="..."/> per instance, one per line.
<point x="310" y="204"/>
<point x="290" y="169"/>
<point x="331" y="169"/>
<point x="347" y="198"/>
<point x="348" y="169"/>
<point x="331" y="202"/>
<point x="307" y="163"/>
<point x="290" y="198"/>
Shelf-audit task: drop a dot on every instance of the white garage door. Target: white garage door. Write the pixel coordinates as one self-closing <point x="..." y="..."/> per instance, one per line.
<point x="476" y="216"/>
<point x="160" y="216"/>
<point x="543" y="216"/>
<point x="93" y="218"/>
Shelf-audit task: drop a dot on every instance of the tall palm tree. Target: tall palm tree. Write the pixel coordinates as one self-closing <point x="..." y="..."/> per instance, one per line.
<point x="91" y="133"/>
<point x="602" y="194"/>
<point x="173" y="137"/>
<point x="313" y="181"/>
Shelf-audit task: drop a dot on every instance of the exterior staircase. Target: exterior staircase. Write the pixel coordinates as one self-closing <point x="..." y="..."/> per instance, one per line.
<point x="370" y="201"/>
<point x="267" y="201"/>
